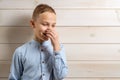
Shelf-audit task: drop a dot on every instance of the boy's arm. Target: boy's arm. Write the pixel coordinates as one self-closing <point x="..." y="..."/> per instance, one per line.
<point x="60" y="68"/>
<point x="16" y="66"/>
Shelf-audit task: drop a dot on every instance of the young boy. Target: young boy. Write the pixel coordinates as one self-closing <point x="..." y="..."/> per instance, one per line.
<point x="43" y="58"/>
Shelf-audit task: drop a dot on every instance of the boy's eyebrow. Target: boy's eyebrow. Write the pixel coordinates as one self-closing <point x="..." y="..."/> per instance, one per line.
<point x="54" y="23"/>
<point x="48" y="22"/>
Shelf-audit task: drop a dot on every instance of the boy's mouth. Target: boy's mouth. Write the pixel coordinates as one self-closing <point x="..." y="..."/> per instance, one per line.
<point x="44" y="34"/>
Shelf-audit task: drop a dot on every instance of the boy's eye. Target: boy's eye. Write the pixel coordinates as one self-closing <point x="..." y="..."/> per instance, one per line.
<point x="53" y="25"/>
<point x="44" y="24"/>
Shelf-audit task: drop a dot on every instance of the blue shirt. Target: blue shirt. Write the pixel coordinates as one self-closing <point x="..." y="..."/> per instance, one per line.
<point x="35" y="61"/>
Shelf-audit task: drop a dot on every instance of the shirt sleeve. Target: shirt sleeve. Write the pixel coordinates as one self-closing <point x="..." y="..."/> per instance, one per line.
<point x="16" y="66"/>
<point x="60" y="68"/>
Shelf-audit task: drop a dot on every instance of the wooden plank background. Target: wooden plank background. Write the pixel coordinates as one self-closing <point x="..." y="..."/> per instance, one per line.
<point x="89" y="30"/>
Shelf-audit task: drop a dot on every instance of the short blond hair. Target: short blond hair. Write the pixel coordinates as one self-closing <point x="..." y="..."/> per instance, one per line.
<point x="41" y="8"/>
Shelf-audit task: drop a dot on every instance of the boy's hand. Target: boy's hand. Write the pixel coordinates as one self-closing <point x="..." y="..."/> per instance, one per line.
<point x="52" y="34"/>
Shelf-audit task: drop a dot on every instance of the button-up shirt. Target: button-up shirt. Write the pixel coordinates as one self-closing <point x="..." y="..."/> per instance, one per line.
<point x="35" y="61"/>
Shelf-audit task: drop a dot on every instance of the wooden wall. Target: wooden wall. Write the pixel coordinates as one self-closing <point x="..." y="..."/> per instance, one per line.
<point x="89" y="30"/>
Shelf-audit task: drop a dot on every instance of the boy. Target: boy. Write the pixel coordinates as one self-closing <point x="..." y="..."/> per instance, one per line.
<point x="43" y="58"/>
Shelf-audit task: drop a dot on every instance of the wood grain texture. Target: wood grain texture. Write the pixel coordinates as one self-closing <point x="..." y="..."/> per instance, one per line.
<point x="15" y="34"/>
<point x="87" y="35"/>
<point x="107" y="52"/>
<point x="91" y="69"/>
<point x="21" y="4"/>
<point x="64" y="17"/>
<point x="95" y="69"/>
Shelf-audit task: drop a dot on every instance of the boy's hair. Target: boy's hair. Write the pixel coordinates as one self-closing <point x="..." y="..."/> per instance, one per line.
<point x="41" y="8"/>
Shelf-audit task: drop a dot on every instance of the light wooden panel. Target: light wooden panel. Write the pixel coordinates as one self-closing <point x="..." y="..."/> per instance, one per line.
<point x="7" y="50"/>
<point x="15" y="17"/>
<point x="67" y="34"/>
<point x="15" y="4"/>
<point x="87" y="18"/>
<point x="61" y="3"/>
<point x="15" y="34"/>
<point x="95" y="69"/>
<point x="112" y="79"/>
<point x="89" y="34"/>
<point x="64" y="17"/>
<point x="4" y="69"/>
<point x="75" y="51"/>
<point x="81" y="70"/>
<point x="93" y="51"/>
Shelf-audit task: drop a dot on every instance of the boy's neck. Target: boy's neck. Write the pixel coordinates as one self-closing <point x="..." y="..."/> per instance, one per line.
<point x="40" y="41"/>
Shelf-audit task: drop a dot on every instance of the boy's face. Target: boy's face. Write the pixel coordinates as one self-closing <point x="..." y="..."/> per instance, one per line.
<point x="44" y="23"/>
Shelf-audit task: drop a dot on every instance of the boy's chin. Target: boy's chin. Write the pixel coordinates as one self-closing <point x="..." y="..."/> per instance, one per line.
<point x="46" y="39"/>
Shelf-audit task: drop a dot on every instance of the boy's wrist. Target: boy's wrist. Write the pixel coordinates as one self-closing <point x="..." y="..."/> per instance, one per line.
<point x="56" y="47"/>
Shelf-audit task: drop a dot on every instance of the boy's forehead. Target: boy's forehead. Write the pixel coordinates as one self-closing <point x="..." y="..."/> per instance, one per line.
<point x="47" y="17"/>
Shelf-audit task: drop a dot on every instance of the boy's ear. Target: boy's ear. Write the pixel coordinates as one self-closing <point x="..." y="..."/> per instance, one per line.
<point x="32" y="24"/>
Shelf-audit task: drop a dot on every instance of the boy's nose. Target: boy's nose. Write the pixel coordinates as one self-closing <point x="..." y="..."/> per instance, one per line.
<point x="50" y="28"/>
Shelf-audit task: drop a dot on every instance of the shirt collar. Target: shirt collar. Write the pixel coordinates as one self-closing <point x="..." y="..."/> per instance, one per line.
<point x="44" y="44"/>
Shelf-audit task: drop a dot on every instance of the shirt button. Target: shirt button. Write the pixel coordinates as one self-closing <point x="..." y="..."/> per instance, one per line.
<point x="43" y="74"/>
<point x="42" y="50"/>
<point x="43" y="61"/>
